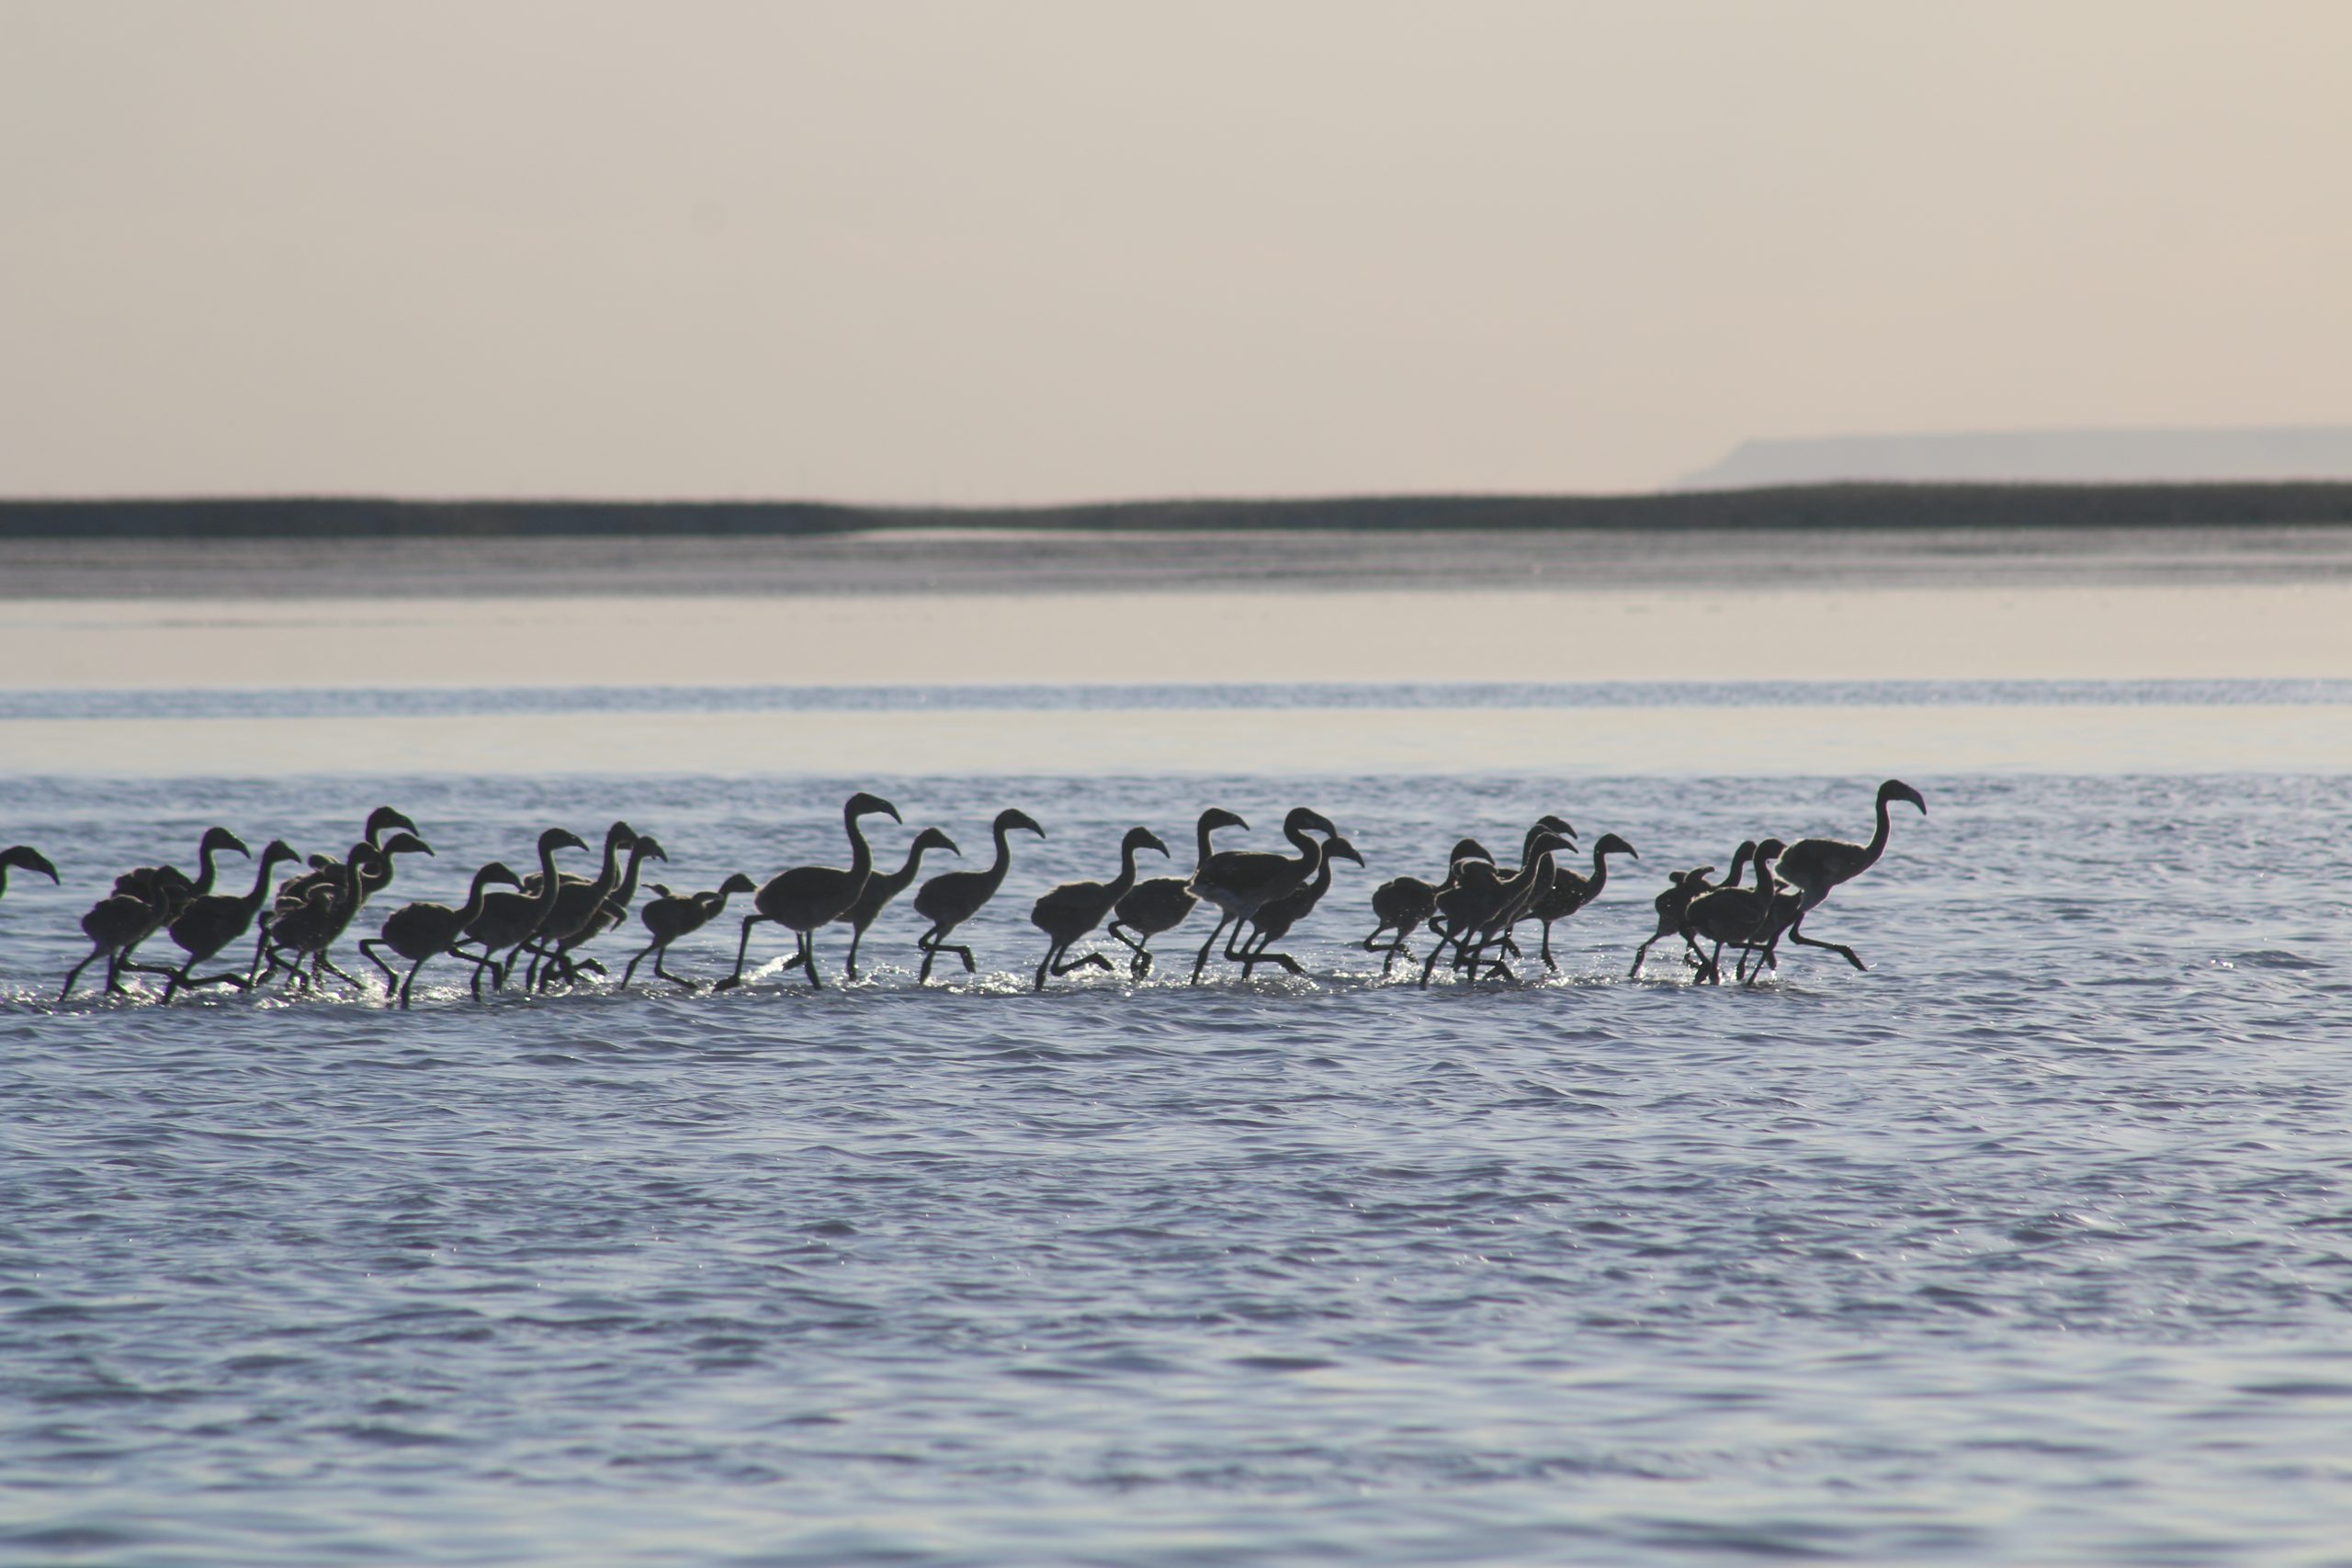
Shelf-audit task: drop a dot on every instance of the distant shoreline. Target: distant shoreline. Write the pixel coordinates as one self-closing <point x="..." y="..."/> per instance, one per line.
<point x="1864" y="506"/>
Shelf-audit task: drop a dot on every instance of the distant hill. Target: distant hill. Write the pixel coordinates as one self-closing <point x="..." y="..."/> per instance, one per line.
<point x="1804" y="506"/>
<point x="2040" y="456"/>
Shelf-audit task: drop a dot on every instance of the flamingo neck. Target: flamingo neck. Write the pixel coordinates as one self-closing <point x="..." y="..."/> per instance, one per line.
<point x="551" y="885"/>
<point x="913" y="867"/>
<point x="1126" y="878"/>
<point x="475" y="901"/>
<point x="353" y="874"/>
<point x="611" y="873"/>
<point x="993" y="877"/>
<point x="1877" y="846"/>
<point x="252" y="901"/>
<point x="1310" y="850"/>
<point x="203" y="884"/>
<point x="628" y="889"/>
<point x="861" y="853"/>
<point x="1322" y="877"/>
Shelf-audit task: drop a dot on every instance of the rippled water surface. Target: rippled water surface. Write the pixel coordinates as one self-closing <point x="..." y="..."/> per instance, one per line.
<point x="2032" y="1243"/>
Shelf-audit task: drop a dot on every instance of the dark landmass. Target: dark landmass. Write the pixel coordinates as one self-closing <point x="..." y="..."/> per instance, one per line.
<point x="1834" y="506"/>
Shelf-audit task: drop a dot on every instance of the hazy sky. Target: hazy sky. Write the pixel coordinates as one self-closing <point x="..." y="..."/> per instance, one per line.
<point x="1065" y="249"/>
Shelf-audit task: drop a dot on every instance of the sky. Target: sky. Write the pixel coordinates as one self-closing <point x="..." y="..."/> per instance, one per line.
<point x="1020" y="251"/>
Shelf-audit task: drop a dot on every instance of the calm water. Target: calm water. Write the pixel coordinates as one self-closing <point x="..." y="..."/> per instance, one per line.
<point x="2033" y="1244"/>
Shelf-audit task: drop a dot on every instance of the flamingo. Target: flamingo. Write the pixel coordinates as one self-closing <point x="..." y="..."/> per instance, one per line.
<point x="953" y="897"/>
<point x="808" y="896"/>
<point x="1067" y="912"/>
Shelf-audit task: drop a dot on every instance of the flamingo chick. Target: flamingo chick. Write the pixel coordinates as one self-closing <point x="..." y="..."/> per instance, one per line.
<point x="1066" y="913"/>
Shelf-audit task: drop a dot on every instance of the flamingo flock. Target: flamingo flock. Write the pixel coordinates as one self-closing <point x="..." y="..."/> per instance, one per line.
<point x="539" y="920"/>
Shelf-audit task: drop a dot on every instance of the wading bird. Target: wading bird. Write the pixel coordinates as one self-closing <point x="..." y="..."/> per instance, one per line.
<point x="1569" y="892"/>
<point x="953" y="897"/>
<point x="1160" y="903"/>
<point x="419" y="932"/>
<point x="1441" y="924"/>
<point x="1241" y="881"/>
<point x="316" y="925"/>
<point x="1816" y="867"/>
<point x="506" y="920"/>
<point x="145" y="901"/>
<point x="1681" y="887"/>
<point x="568" y="930"/>
<point x="295" y="891"/>
<point x="1482" y="919"/>
<point x="809" y="896"/>
<point x="668" y="916"/>
<point x="1275" y="919"/>
<point x="1736" y="917"/>
<point x="611" y="912"/>
<point x="881" y="887"/>
<point x="576" y="902"/>
<point x="210" y="923"/>
<point x="1066" y="913"/>
<point x="1402" y="903"/>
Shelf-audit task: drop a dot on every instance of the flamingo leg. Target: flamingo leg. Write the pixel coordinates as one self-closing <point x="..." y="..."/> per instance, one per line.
<point x="939" y="946"/>
<point x="367" y="951"/>
<point x="741" y="947"/>
<point x="1437" y="951"/>
<point x="454" y="950"/>
<point x="1201" y="960"/>
<point x="1140" y="964"/>
<point x="1262" y="956"/>
<point x="408" y="987"/>
<point x="1796" y="934"/>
